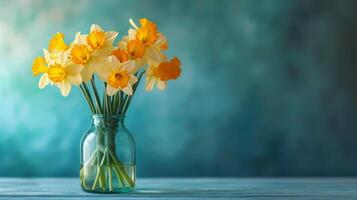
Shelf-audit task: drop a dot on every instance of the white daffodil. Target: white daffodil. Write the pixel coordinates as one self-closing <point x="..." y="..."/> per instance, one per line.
<point x="160" y="73"/>
<point x="57" y="70"/>
<point x="144" y="44"/>
<point x="57" y="45"/>
<point x="118" y="76"/>
<point x="91" y="51"/>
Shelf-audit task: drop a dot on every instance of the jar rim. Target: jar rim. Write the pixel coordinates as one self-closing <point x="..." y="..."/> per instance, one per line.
<point x="94" y="116"/>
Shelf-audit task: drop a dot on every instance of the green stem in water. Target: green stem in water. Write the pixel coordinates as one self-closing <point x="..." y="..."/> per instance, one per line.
<point x="109" y="173"/>
<point x="120" y="184"/>
<point x="110" y="178"/>
<point x="99" y="172"/>
<point x="122" y="171"/>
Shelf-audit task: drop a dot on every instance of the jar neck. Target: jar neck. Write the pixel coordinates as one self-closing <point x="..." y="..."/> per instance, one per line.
<point x="107" y="120"/>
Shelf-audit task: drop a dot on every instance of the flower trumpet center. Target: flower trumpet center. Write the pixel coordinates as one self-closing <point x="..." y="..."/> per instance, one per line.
<point x="56" y="73"/>
<point x="121" y="55"/>
<point x="168" y="70"/>
<point x="38" y="66"/>
<point x="57" y="43"/>
<point x="96" y="39"/>
<point x="80" y="54"/>
<point x="135" y="48"/>
<point x="147" y="33"/>
<point x="118" y="79"/>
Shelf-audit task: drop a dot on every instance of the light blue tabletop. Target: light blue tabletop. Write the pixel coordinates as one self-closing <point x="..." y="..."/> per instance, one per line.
<point x="187" y="188"/>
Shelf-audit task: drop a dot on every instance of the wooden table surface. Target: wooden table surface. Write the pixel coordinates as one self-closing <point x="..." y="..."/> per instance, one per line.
<point x="187" y="188"/>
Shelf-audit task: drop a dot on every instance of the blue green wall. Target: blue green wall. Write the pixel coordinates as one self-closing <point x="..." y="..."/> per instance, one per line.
<point x="268" y="88"/>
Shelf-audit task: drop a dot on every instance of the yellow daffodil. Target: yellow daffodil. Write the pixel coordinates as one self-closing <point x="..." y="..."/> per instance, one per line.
<point x="57" y="43"/>
<point x="121" y="55"/>
<point x="144" y="44"/>
<point x="64" y="65"/>
<point x="39" y="66"/>
<point x="100" y="42"/>
<point x="57" y="71"/>
<point x="147" y="32"/>
<point x="133" y="49"/>
<point x="160" y="73"/>
<point x="91" y="51"/>
<point x="118" y="76"/>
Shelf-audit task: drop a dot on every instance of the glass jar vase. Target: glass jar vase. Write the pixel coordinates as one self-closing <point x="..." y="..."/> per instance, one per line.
<point x="107" y="156"/>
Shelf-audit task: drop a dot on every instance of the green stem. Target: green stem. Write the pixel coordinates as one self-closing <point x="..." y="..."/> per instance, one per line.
<point x="88" y="99"/>
<point x="119" y="103"/>
<point x="125" y="103"/>
<point x="115" y="100"/>
<point x="110" y="177"/>
<point x="129" y="98"/>
<point x="83" y="179"/>
<point x="120" y="178"/>
<point x="92" y="159"/>
<point x="97" y="99"/>
<point x="122" y="171"/>
<point x="107" y="102"/>
<point x="104" y="103"/>
<point x="99" y="170"/>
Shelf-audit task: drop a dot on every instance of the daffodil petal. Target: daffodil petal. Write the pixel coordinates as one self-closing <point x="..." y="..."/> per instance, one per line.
<point x="99" y="54"/>
<point x="150" y="71"/>
<point x="122" y="45"/>
<point x="128" y="90"/>
<point x="125" y="38"/>
<point x="87" y="73"/>
<point x="80" y="39"/>
<point x="154" y="54"/>
<point x="65" y="88"/>
<point x="161" y="85"/>
<point x="110" y="90"/>
<point x="76" y="80"/>
<point x="113" y="62"/>
<point x="139" y="63"/>
<point x="95" y="27"/>
<point x="133" y="79"/>
<point x="103" y="72"/>
<point x="128" y="66"/>
<point x="43" y="81"/>
<point x="74" y="69"/>
<point x="110" y="37"/>
<point x="63" y="56"/>
<point x="150" y="83"/>
<point x="131" y="34"/>
<point x="133" y="23"/>
<point x="47" y="56"/>
<point x="161" y="39"/>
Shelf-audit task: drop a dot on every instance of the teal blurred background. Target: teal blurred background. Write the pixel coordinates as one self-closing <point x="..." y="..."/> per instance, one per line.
<point x="268" y="88"/>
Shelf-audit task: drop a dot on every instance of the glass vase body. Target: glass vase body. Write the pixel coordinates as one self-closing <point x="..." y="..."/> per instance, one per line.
<point x="107" y="156"/>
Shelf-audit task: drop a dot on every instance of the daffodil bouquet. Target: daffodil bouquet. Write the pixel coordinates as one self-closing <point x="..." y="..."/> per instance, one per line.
<point x="120" y="67"/>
